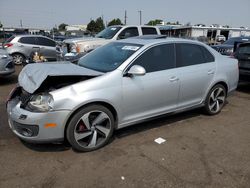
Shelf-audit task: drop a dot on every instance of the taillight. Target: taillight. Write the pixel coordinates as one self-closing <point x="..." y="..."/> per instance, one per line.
<point x="232" y="55"/>
<point x="8" y="45"/>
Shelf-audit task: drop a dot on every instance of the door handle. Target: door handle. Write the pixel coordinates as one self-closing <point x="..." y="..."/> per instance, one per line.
<point x="20" y="45"/>
<point x="210" y="72"/>
<point x="173" y="78"/>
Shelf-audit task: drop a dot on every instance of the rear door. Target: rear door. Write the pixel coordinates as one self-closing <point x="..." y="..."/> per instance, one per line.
<point x="196" y="69"/>
<point x="157" y="91"/>
<point x="27" y="45"/>
<point x="47" y="48"/>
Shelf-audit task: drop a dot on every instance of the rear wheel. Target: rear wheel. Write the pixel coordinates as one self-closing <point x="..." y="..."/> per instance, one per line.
<point x="90" y="128"/>
<point x="215" y="99"/>
<point x="18" y="59"/>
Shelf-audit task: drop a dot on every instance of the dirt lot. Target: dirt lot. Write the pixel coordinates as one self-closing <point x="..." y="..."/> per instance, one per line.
<point x="200" y="151"/>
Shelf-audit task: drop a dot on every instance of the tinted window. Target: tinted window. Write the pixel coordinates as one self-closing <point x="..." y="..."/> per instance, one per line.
<point x="157" y="58"/>
<point x="108" y="57"/>
<point x="149" y="31"/>
<point x="28" y="40"/>
<point x="129" y="32"/>
<point x="208" y="56"/>
<point x="45" y="42"/>
<point x="109" y="32"/>
<point x="190" y="54"/>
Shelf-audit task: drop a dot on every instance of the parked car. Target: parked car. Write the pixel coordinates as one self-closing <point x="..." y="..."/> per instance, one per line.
<point x="117" y="85"/>
<point x="227" y="47"/>
<point x="21" y="46"/>
<point x="220" y="38"/>
<point x="6" y="63"/>
<point x="242" y="53"/>
<point x="79" y="47"/>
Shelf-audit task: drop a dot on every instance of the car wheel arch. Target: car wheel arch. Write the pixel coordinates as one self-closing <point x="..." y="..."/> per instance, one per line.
<point x="102" y="103"/>
<point x="217" y="83"/>
<point x="18" y="54"/>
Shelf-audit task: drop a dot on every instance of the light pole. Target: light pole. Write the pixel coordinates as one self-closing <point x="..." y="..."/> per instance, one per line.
<point x="140" y="15"/>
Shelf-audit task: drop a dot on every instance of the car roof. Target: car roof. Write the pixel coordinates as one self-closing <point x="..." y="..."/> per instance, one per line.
<point x="123" y="26"/>
<point x="157" y="41"/>
<point x="31" y="36"/>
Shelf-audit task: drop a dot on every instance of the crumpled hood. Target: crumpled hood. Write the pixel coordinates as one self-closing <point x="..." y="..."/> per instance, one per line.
<point x="33" y="75"/>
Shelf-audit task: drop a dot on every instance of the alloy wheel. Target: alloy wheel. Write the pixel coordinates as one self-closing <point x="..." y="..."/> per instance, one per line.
<point x="18" y="59"/>
<point x="216" y="100"/>
<point x="92" y="129"/>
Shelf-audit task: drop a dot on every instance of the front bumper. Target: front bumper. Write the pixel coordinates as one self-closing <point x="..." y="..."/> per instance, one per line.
<point x="6" y="67"/>
<point x="21" y="120"/>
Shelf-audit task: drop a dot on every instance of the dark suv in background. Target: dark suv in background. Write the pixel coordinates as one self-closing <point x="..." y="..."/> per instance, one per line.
<point x="20" y="47"/>
<point x="227" y="47"/>
<point x="242" y="53"/>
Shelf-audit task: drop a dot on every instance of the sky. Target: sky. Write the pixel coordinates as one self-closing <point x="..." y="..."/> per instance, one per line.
<point x="48" y="13"/>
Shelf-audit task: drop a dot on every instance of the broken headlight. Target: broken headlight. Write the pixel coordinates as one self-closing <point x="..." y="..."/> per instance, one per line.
<point x="41" y="103"/>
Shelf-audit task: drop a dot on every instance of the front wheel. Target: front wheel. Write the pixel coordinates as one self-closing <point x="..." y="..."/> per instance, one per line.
<point x="18" y="59"/>
<point x="215" y="99"/>
<point x="90" y="128"/>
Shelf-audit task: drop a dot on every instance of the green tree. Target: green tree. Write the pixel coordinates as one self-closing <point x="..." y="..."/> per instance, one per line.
<point x="91" y="26"/>
<point x="62" y="27"/>
<point x="99" y="25"/>
<point x="115" y="22"/>
<point x="154" y="22"/>
<point x="1" y="25"/>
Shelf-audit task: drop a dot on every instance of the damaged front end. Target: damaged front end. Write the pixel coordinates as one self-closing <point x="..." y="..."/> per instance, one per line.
<point x="31" y="107"/>
<point x="40" y="100"/>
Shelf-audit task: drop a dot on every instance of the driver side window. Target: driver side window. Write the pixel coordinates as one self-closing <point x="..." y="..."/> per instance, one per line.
<point x="128" y="32"/>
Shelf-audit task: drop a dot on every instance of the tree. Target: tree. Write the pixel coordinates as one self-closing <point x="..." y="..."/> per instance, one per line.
<point x="91" y="26"/>
<point x="154" y="22"/>
<point x="1" y="25"/>
<point x="115" y="22"/>
<point x="96" y="26"/>
<point x="99" y="25"/>
<point x="62" y="27"/>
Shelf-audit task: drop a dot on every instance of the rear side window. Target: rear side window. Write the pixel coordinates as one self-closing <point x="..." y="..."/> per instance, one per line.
<point x="10" y="39"/>
<point x="157" y="58"/>
<point x="149" y="31"/>
<point x="129" y="32"/>
<point x="192" y="54"/>
<point x="208" y="56"/>
<point x="45" y="42"/>
<point x="244" y="49"/>
<point x="28" y="40"/>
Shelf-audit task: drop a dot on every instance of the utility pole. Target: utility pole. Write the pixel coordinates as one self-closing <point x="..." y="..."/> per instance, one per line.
<point x="140" y="15"/>
<point x="125" y="18"/>
<point x="21" y="23"/>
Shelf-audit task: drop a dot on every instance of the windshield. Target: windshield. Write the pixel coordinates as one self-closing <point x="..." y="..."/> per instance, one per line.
<point x="107" y="58"/>
<point x="109" y="32"/>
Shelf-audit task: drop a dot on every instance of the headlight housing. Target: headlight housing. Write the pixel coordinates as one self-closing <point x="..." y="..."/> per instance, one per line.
<point x="229" y="50"/>
<point x="41" y="102"/>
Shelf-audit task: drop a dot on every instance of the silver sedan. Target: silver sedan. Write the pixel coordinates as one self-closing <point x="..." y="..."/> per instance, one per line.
<point x="117" y="85"/>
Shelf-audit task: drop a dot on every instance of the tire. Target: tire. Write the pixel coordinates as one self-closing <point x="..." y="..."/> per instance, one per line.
<point x="18" y="59"/>
<point x="215" y="100"/>
<point x="90" y="128"/>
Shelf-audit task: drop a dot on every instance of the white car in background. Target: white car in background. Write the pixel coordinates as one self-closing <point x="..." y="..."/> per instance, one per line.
<point x="73" y="49"/>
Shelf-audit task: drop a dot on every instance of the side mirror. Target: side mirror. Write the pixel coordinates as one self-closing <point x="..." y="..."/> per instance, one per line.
<point x="136" y="70"/>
